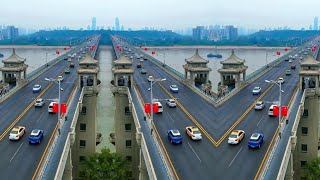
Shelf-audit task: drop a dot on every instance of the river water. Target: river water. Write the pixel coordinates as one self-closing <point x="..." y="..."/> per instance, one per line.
<point x="175" y="57"/>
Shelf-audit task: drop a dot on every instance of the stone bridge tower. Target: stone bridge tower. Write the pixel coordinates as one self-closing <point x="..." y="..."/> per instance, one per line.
<point x="125" y="131"/>
<point x="86" y="135"/>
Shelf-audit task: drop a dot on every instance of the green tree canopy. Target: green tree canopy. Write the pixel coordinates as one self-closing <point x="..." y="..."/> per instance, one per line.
<point x="312" y="169"/>
<point x="105" y="165"/>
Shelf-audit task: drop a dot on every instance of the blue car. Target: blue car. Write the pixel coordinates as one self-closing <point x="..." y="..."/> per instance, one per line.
<point x="174" y="88"/>
<point x="256" y="90"/>
<point x="36" y="88"/>
<point x="256" y="140"/>
<point x="174" y="136"/>
<point x="36" y="136"/>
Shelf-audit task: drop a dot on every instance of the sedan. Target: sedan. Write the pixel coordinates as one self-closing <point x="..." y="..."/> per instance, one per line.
<point x="256" y="90"/>
<point x="281" y="80"/>
<point x="288" y="72"/>
<point x="174" y="136"/>
<point x="39" y="102"/>
<point x="236" y="136"/>
<point x="142" y="71"/>
<point x="293" y="66"/>
<point x="193" y="133"/>
<point x="256" y="140"/>
<point x="67" y="71"/>
<point x="259" y="105"/>
<point x="171" y="103"/>
<point x="174" y="88"/>
<point x="17" y="132"/>
<point x="36" y="136"/>
<point x="36" y="88"/>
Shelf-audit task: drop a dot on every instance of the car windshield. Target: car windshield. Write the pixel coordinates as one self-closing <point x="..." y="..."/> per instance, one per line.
<point x="256" y="88"/>
<point x="196" y="132"/>
<point x="37" y="86"/>
<point x="176" y="135"/>
<point x="14" y="132"/>
<point x="172" y="101"/>
<point x="38" y="101"/>
<point x="254" y="140"/>
<point x="173" y="86"/>
<point x="233" y="136"/>
<point x="33" y="135"/>
<point x="258" y="104"/>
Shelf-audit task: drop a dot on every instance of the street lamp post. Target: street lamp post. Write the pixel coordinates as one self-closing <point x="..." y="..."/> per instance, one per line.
<point x="151" y="94"/>
<point x="280" y="109"/>
<point x="57" y="80"/>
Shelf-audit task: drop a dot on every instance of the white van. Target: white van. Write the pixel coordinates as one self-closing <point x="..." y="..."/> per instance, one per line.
<point x="270" y="112"/>
<point x="160" y="108"/>
<point x="50" y="107"/>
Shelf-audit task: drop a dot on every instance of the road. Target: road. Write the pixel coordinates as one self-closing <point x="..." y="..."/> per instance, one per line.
<point x="19" y="159"/>
<point x="213" y="157"/>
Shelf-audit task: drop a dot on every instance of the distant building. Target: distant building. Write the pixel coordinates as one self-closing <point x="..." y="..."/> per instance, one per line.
<point x="88" y="27"/>
<point x="198" y="33"/>
<point x="122" y="28"/>
<point x="12" y="32"/>
<point x="117" y="24"/>
<point x="94" y="23"/>
<point x="231" y="33"/>
<point x="310" y="27"/>
<point x="315" y="24"/>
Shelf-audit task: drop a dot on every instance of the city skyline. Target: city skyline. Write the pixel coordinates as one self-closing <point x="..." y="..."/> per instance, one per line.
<point x="164" y="14"/>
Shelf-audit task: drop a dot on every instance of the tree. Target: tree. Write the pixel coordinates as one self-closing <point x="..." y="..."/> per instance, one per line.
<point x="312" y="169"/>
<point x="105" y="165"/>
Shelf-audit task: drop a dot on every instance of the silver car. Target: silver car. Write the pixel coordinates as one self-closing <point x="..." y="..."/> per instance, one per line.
<point x="171" y="103"/>
<point x="39" y="102"/>
<point x="259" y="105"/>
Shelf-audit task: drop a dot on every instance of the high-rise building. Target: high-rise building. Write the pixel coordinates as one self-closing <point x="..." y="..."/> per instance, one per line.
<point x="117" y="24"/>
<point x="94" y="24"/>
<point x="12" y="32"/>
<point x="231" y="33"/>
<point x="315" y="24"/>
<point x="198" y="33"/>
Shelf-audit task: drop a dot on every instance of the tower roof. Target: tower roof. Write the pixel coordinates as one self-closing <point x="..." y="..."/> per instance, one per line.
<point x="88" y="60"/>
<point x="123" y="61"/>
<point x="14" y="58"/>
<point x="197" y="59"/>
<point x="233" y="59"/>
<point x="310" y="61"/>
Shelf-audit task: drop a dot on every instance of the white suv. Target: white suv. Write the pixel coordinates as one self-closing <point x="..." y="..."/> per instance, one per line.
<point x="150" y="78"/>
<point x="171" y="103"/>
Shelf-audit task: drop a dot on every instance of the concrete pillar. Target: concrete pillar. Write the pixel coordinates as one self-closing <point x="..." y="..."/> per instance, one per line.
<point x="94" y="81"/>
<point x="244" y="76"/>
<point x="317" y="82"/>
<point x="289" y="171"/>
<point x="192" y="77"/>
<point x="185" y="74"/>
<point x="143" y="175"/>
<point x="221" y="79"/>
<point x="67" y="174"/>
<point x="116" y="80"/>
<point x="300" y="83"/>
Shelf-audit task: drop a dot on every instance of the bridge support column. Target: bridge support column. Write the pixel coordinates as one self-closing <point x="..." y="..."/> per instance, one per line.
<point x="300" y="83"/>
<point x="67" y="174"/>
<point x="289" y="171"/>
<point x="142" y="167"/>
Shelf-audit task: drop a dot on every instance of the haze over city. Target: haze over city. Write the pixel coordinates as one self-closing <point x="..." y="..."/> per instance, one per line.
<point x="159" y="14"/>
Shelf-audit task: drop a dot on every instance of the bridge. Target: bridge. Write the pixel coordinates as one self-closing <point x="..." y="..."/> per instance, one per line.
<point x="213" y="157"/>
<point x="140" y="138"/>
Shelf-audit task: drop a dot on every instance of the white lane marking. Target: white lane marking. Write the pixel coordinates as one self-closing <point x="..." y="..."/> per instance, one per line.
<point x="39" y="118"/>
<point x="194" y="152"/>
<point x="170" y="117"/>
<point x="260" y="120"/>
<point x="235" y="156"/>
<point x="16" y="152"/>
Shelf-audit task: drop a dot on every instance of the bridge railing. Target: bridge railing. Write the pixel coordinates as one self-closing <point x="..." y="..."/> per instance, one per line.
<point x="293" y="138"/>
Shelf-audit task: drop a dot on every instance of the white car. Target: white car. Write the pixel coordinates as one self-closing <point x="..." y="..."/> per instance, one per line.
<point x="150" y="78"/>
<point x="259" y="105"/>
<point x="60" y="77"/>
<point x="193" y="132"/>
<point x="36" y="88"/>
<point x="174" y="88"/>
<point x="290" y="61"/>
<point x="256" y="90"/>
<point x="171" y="103"/>
<point x="281" y="80"/>
<point x="236" y="136"/>
<point x="39" y="102"/>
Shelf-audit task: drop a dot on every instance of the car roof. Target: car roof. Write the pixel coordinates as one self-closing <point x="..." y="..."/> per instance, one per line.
<point x="255" y="136"/>
<point x="35" y="132"/>
<point x="236" y="132"/>
<point x="193" y="128"/>
<point x="17" y="127"/>
<point x="175" y="132"/>
<point x="256" y="87"/>
<point x="259" y="102"/>
<point x="40" y="99"/>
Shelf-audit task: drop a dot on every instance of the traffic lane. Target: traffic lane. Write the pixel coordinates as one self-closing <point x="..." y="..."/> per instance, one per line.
<point x="30" y="154"/>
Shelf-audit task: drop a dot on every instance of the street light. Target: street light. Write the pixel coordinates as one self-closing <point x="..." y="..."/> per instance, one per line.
<point x="280" y="109"/>
<point x="151" y="106"/>
<point x="57" y="80"/>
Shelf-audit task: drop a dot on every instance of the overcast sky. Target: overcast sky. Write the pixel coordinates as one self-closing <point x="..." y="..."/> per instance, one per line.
<point x="170" y="14"/>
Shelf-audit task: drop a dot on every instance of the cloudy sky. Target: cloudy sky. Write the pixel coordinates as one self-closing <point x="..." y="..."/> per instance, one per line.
<point x="170" y="14"/>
